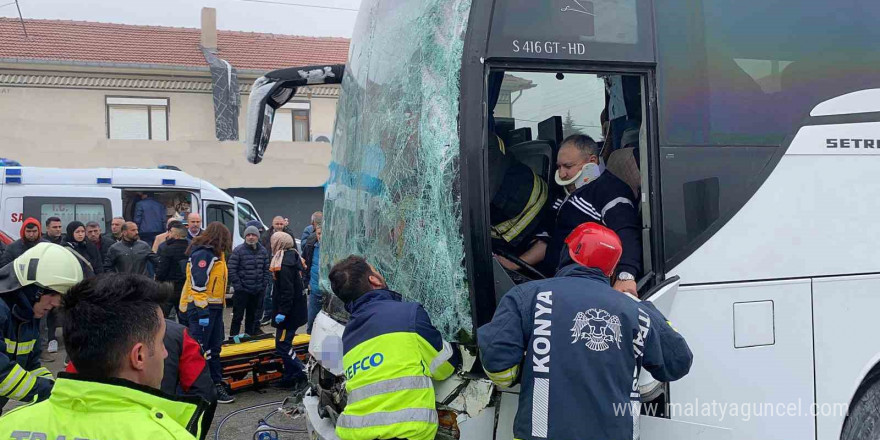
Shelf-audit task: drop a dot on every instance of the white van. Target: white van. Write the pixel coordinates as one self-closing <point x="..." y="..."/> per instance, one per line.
<point x="99" y="194"/>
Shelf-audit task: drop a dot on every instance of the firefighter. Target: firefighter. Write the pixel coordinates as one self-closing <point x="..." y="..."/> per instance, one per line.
<point x="518" y="199"/>
<point x="391" y="351"/>
<point x="584" y="343"/>
<point x="30" y="286"/>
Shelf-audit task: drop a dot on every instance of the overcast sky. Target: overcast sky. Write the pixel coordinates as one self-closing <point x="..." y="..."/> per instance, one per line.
<point x="238" y="15"/>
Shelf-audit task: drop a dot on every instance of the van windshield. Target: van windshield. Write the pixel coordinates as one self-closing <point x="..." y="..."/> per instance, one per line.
<point x="393" y="193"/>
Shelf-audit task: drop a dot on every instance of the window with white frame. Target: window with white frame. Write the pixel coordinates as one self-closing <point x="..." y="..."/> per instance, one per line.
<point x="291" y="123"/>
<point x="137" y="118"/>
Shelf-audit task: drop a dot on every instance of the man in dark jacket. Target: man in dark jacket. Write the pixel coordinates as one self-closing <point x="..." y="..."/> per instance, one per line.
<point x="172" y="268"/>
<point x="30" y="234"/>
<point x="598" y="339"/>
<point x="593" y="196"/>
<point x="130" y="255"/>
<point x="54" y="232"/>
<point x="277" y="226"/>
<point x="115" y="232"/>
<point x="102" y="242"/>
<point x="193" y="225"/>
<point x="317" y="219"/>
<point x="249" y="275"/>
<point x="149" y="214"/>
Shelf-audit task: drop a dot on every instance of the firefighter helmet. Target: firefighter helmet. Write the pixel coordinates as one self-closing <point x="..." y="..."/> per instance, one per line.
<point x="594" y="245"/>
<point x="49" y="266"/>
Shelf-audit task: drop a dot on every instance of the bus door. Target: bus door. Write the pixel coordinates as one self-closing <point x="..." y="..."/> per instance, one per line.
<point x="531" y="113"/>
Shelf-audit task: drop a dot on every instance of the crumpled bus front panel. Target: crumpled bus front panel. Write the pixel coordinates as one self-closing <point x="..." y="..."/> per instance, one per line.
<point x="393" y="193"/>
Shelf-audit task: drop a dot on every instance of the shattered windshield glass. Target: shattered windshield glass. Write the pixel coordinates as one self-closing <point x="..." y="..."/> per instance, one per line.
<point x="393" y="193"/>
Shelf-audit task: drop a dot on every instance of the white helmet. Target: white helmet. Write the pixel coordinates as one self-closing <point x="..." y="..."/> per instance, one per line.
<point x="49" y="266"/>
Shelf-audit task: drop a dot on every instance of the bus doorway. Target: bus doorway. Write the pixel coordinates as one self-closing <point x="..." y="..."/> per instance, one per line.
<point x="535" y="196"/>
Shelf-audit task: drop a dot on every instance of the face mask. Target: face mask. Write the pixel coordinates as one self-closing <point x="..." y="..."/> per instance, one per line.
<point x="588" y="173"/>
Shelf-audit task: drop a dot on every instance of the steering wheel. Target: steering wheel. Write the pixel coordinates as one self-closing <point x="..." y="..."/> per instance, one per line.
<point x="529" y="270"/>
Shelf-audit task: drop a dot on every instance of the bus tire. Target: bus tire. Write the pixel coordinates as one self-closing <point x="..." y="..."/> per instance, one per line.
<point x="863" y="421"/>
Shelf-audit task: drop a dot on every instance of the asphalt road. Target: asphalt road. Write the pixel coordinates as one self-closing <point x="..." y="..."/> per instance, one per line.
<point x="240" y="426"/>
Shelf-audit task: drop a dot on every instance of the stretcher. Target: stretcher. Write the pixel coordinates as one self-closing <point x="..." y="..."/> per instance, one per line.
<point x="253" y="363"/>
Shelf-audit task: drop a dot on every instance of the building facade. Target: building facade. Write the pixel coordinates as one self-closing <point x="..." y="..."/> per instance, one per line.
<point x="83" y="95"/>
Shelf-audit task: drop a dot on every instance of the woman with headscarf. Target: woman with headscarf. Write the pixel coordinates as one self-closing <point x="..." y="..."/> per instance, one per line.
<point x="289" y="307"/>
<point x="76" y="240"/>
<point x="204" y="296"/>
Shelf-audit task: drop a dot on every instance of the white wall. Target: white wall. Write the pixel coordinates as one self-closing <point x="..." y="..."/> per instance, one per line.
<point x="67" y="128"/>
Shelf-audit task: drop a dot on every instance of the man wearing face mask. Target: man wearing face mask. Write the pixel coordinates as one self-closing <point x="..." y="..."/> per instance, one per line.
<point x="595" y="196"/>
<point x="591" y="195"/>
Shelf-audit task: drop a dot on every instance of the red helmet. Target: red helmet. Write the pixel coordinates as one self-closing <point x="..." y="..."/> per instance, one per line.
<point x="594" y="245"/>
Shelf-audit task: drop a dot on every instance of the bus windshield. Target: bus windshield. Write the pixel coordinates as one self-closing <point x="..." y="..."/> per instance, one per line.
<point x="393" y="193"/>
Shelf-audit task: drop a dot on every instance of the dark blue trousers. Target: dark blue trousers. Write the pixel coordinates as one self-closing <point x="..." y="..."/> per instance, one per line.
<point x="210" y="338"/>
<point x="293" y="367"/>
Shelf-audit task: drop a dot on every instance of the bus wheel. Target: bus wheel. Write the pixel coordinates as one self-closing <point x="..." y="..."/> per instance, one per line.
<point x="863" y="421"/>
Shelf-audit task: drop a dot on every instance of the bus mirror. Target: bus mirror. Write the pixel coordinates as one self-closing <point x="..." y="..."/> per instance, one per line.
<point x="272" y="91"/>
<point x="266" y="96"/>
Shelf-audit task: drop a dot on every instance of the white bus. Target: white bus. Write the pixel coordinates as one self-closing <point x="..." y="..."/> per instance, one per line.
<point x="99" y="194"/>
<point x="748" y="131"/>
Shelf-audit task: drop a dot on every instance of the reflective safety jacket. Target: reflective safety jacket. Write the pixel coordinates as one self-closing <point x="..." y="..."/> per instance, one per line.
<point x="105" y="409"/>
<point x="206" y="280"/>
<point x="585" y="345"/>
<point x="518" y="199"/>
<point x="21" y="376"/>
<point x="391" y="353"/>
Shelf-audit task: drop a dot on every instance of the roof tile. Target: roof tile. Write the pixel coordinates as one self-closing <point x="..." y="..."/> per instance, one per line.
<point x="84" y="41"/>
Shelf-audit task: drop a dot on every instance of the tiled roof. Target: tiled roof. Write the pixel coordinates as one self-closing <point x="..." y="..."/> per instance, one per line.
<point x="91" y="42"/>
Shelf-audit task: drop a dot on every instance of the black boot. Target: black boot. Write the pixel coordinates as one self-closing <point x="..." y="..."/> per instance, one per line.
<point x="222" y="395"/>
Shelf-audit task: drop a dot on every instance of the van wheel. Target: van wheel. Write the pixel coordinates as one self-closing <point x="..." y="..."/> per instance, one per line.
<point x="863" y="421"/>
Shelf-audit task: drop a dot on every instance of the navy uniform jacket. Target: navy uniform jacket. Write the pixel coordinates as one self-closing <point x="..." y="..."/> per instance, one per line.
<point x="607" y="201"/>
<point x="585" y="345"/>
<point x="22" y="378"/>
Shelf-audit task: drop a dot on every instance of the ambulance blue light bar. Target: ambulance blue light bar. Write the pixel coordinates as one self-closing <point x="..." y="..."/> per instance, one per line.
<point x="13" y="175"/>
<point x="104" y="180"/>
<point x="171" y="182"/>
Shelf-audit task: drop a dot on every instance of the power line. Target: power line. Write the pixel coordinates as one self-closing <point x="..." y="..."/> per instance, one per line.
<point x="7" y="4"/>
<point x="22" y="19"/>
<point x="272" y="2"/>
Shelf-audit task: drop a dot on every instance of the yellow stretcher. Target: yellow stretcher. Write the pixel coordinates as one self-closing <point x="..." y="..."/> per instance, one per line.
<point x="254" y="363"/>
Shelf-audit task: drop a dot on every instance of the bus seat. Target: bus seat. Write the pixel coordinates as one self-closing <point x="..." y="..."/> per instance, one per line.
<point x="622" y="163"/>
<point x="537" y="155"/>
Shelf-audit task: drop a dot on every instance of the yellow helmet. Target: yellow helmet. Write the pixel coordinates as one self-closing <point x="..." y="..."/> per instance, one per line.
<point x="49" y="266"/>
